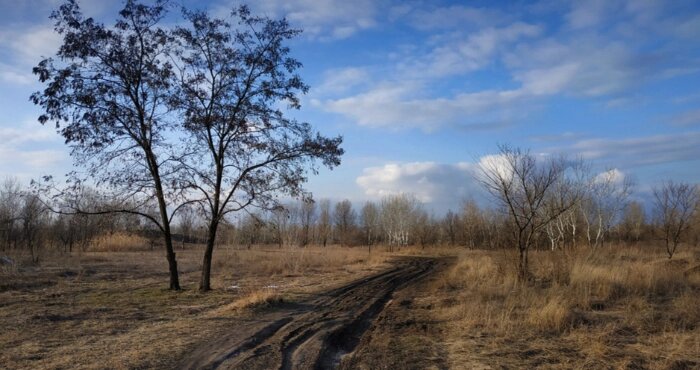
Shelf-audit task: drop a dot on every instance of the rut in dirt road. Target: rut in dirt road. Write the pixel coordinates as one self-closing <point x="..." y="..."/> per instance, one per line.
<point x="318" y="335"/>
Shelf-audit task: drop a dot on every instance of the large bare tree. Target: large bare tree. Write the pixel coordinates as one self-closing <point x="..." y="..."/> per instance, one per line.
<point x="533" y="191"/>
<point x="108" y="92"/>
<point x="244" y="150"/>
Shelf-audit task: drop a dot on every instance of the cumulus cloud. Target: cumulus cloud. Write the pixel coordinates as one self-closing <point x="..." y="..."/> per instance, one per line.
<point x="443" y="186"/>
<point x="494" y="165"/>
<point x="611" y="176"/>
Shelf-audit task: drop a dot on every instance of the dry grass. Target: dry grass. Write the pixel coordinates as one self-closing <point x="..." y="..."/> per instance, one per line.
<point x="111" y="309"/>
<point x="293" y="261"/>
<point x="120" y="242"/>
<point x="617" y="307"/>
<point x="253" y="300"/>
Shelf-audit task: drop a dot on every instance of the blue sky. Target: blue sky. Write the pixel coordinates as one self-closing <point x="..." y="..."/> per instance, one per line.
<point x="422" y="90"/>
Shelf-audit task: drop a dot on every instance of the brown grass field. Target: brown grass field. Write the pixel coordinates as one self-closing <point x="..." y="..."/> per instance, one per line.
<point x="111" y="309"/>
<point x="613" y="308"/>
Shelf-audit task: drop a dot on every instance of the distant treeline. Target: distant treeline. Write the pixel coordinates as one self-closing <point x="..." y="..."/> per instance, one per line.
<point x="27" y="224"/>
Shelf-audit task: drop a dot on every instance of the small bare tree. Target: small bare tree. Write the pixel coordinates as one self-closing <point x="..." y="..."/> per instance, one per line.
<point x="34" y="217"/>
<point x="532" y="191"/>
<point x="370" y="223"/>
<point x="633" y="222"/>
<point x="10" y="209"/>
<point x="674" y="205"/>
<point x="324" y="221"/>
<point x="344" y="217"/>
<point x="398" y="213"/>
<point x="450" y="226"/>
<point x="606" y="199"/>
<point x="307" y="218"/>
<point x="472" y="224"/>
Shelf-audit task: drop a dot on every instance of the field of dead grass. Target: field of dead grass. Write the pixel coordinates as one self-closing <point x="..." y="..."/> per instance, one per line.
<point x="613" y="308"/>
<point x="111" y="309"/>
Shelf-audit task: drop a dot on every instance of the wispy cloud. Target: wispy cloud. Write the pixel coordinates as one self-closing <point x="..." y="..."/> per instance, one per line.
<point x="639" y="151"/>
<point x="467" y="53"/>
<point x="342" y="80"/>
<point x="29" y="148"/>
<point x="448" y="17"/>
<point x="686" y="119"/>
<point x="594" y="54"/>
<point x="24" y="134"/>
<point x="23" y="49"/>
<point x="395" y="106"/>
<point x="320" y="19"/>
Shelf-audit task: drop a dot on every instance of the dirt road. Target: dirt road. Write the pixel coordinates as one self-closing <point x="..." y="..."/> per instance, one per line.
<point x="320" y="333"/>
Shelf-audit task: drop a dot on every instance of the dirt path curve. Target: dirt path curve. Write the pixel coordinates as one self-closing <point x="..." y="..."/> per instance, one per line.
<point x="315" y="334"/>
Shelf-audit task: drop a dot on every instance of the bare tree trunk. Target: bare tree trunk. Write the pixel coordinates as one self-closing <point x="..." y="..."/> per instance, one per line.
<point x="522" y="265"/>
<point x="205" y="281"/>
<point x="165" y="219"/>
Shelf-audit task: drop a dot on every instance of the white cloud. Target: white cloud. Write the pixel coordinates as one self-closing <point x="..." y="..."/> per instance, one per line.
<point x="495" y="164"/>
<point x="441" y="185"/>
<point x="27" y="132"/>
<point x="580" y="67"/>
<point x="589" y="13"/>
<point x="469" y="53"/>
<point x="23" y="49"/>
<point x="320" y="19"/>
<point x="611" y="176"/>
<point x="564" y="136"/>
<point x="10" y="75"/>
<point x="595" y="54"/>
<point x="395" y="106"/>
<point x="640" y="151"/>
<point x="29" y="148"/>
<point x="341" y="80"/>
<point x="448" y="17"/>
<point x="28" y="46"/>
<point x="687" y="118"/>
<point x="36" y="159"/>
<point x="33" y="161"/>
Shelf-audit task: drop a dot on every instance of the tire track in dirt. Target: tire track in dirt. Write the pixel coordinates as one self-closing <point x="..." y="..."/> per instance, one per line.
<point x="319" y="332"/>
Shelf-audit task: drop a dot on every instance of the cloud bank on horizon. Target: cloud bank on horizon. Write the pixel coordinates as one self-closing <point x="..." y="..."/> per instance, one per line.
<point x="422" y="91"/>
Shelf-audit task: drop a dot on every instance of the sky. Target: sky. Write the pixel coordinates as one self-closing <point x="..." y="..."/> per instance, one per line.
<point x="422" y="91"/>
